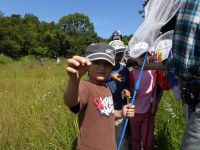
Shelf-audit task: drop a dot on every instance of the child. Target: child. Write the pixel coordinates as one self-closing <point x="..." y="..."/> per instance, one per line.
<point x="142" y="124"/>
<point x="119" y="86"/>
<point x="92" y="99"/>
<point x="116" y="35"/>
<point x="58" y="61"/>
<point x="42" y="61"/>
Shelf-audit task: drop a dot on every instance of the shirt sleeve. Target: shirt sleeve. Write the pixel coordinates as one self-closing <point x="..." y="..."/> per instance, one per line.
<point x="127" y="72"/>
<point x="75" y="109"/>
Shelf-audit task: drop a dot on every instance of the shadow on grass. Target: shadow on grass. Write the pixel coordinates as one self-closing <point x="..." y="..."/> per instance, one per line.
<point x="161" y="140"/>
<point x="74" y="143"/>
<point x="2" y="62"/>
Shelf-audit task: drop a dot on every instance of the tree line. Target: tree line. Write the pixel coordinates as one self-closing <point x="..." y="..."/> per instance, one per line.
<point x="27" y="35"/>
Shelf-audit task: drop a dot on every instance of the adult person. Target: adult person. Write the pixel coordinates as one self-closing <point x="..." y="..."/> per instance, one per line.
<point x="186" y="65"/>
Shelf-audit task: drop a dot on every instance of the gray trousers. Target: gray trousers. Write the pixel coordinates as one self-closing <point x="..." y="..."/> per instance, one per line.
<point x="119" y="125"/>
<point x="191" y="137"/>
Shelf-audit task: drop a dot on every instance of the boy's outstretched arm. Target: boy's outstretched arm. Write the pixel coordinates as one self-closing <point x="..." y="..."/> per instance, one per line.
<point x="77" y="67"/>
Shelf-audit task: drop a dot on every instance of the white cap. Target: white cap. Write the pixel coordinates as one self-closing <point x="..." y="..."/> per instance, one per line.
<point x="138" y="49"/>
<point x="118" y="45"/>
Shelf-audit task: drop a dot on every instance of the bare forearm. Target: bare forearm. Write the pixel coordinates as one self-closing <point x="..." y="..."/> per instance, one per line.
<point x="155" y="66"/>
<point x="71" y="92"/>
<point x="118" y="114"/>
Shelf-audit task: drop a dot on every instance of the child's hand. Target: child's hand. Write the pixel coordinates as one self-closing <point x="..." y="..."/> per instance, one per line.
<point x="128" y="110"/>
<point x="126" y="93"/>
<point x="77" y="66"/>
<point x="117" y="77"/>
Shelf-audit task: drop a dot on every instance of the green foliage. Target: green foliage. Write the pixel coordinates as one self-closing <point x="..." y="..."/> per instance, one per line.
<point x="5" y="59"/>
<point x="13" y="48"/>
<point x="126" y="39"/>
<point x="170" y="123"/>
<point x="27" y="35"/>
<point x="41" y="51"/>
<point x="77" y="24"/>
<point x="32" y="112"/>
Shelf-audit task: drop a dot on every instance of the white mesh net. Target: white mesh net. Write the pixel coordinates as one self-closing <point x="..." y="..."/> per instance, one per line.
<point x="163" y="44"/>
<point x="157" y="14"/>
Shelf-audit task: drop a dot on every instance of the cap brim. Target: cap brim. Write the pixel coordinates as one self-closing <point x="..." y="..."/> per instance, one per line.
<point x="122" y="50"/>
<point x="116" y="37"/>
<point x="101" y="56"/>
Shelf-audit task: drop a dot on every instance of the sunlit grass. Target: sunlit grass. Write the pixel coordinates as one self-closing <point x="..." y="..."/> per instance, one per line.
<point x="32" y="113"/>
<point x="170" y="123"/>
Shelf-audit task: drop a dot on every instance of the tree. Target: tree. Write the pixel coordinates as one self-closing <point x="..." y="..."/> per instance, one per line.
<point x="20" y="36"/>
<point x="30" y="18"/>
<point x="15" y="18"/>
<point x="142" y="11"/>
<point x="11" y="48"/>
<point x="77" y="24"/>
<point x="80" y="30"/>
<point x="126" y="39"/>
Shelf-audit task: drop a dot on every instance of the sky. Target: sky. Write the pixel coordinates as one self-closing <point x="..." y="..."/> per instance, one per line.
<point x="106" y="15"/>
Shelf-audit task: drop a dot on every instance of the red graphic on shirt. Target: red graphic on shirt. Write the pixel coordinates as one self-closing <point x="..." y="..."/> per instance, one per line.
<point x="104" y="105"/>
<point x="98" y="104"/>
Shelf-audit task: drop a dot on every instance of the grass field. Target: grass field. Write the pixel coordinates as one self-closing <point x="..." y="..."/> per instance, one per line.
<point x="33" y="116"/>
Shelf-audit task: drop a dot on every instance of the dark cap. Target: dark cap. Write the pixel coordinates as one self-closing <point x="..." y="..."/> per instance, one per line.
<point x="116" y="35"/>
<point x="101" y="51"/>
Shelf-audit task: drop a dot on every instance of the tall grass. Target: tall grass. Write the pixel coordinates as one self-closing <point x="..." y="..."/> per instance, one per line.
<point x="33" y="116"/>
<point x="170" y="123"/>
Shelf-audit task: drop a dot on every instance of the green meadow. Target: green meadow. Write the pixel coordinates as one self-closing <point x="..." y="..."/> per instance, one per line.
<point x="33" y="116"/>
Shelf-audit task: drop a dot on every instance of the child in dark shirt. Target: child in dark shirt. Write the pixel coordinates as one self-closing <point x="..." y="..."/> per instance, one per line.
<point x="119" y="85"/>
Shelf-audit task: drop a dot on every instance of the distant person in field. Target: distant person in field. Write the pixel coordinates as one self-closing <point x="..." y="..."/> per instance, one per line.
<point x="92" y="99"/>
<point x="42" y="61"/>
<point x="58" y="61"/>
<point x="118" y="82"/>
